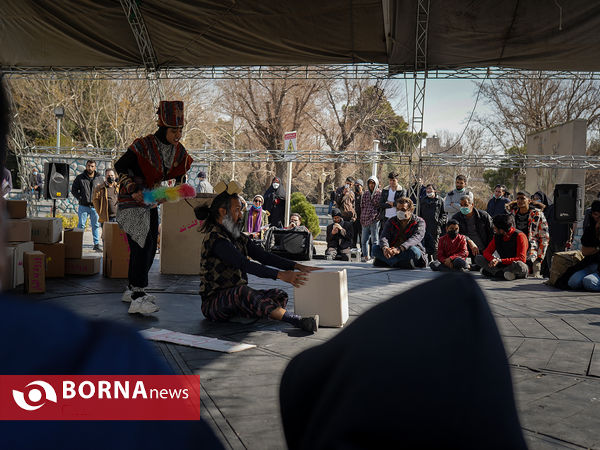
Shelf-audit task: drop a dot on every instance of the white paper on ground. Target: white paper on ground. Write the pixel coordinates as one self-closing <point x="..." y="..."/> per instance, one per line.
<point x="190" y="340"/>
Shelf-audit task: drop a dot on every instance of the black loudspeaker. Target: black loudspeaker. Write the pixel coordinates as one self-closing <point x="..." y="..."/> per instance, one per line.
<point x="56" y="180"/>
<point x="295" y="245"/>
<point x="567" y="203"/>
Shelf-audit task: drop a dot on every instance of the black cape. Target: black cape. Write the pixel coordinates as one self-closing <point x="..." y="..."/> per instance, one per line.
<point x="425" y="369"/>
<point x="277" y="212"/>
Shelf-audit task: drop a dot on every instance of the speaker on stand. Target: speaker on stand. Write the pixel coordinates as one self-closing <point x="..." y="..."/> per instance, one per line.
<point x="56" y="182"/>
<point x="568" y="204"/>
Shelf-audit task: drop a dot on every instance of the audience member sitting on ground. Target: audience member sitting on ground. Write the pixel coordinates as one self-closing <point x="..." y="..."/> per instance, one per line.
<point x="476" y="225"/>
<point x="586" y="274"/>
<point x="256" y="220"/>
<point x="452" y="250"/>
<point x="530" y="219"/>
<point x="511" y="246"/>
<point x="225" y="267"/>
<point x="339" y="237"/>
<point x="400" y="243"/>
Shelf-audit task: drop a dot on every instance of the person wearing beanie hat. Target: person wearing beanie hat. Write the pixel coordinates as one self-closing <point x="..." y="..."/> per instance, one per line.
<point x="203" y="187"/>
<point x="275" y="202"/>
<point x="148" y="162"/>
<point x="256" y="220"/>
<point x="228" y="256"/>
<point x="339" y="237"/>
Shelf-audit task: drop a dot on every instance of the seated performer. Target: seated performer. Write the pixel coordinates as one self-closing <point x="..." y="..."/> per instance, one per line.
<point x="400" y="243"/>
<point x="225" y="267"/>
<point x="511" y="246"/>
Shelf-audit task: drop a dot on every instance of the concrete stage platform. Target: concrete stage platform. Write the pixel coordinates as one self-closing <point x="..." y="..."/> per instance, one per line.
<point x="552" y="339"/>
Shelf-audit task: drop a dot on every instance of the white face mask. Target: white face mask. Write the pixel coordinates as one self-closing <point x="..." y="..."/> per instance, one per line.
<point x="347" y="186"/>
<point x="401" y="215"/>
<point x="275" y="185"/>
<point x="431" y="194"/>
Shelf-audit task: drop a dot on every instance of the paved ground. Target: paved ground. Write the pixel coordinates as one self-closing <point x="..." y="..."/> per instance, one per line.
<point x="552" y="339"/>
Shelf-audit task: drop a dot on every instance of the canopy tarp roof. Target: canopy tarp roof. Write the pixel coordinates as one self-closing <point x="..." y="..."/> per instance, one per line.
<point x="91" y="34"/>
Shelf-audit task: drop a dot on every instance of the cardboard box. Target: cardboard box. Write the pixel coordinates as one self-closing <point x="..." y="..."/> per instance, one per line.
<point x="55" y="258"/>
<point x="17" y="209"/>
<point x="73" y="239"/>
<point x="326" y="294"/>
<point x="46" y="230"/>
<point x="88" y="265"/>
<point x="180" y="241"/>
<point x="34" y="264"/>
<point x="115" y="253"/>
<point x="18" y="230"/>
<point x="18" y="249"/>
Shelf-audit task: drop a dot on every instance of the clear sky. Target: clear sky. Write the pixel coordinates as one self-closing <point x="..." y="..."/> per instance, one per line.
<point x="448" y="104"/>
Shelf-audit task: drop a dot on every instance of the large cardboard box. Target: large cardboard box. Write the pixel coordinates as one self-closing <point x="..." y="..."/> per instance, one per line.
<point x="55" y="258"/>
<point x="88" y="265"/>
<point x="34" y="265"/>
<point x="180" y="241"/>
<point x="326" y="294"/>
<point x="17" y="209"/>
<point x="18" y="230"/>
<point x="115" y="254"/>
<point x="18" y="249"/>
<point x="73" y="239"/>
<point x="46" y="230"/>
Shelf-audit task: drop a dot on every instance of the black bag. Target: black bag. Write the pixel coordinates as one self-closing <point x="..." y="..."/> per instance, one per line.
<point x="295" y="245"/>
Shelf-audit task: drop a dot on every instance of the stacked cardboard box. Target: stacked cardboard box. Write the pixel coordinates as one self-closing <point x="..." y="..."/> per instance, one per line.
<point x="115" y="256"/>
<point x="34" y="265"/>
<point x="75" y="262"/>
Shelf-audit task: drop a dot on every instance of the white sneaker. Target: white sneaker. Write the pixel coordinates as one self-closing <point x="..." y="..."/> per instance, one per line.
<point x="142" y="305"/>
<point x="127" y="295"/>
<point x="509" y="276"/>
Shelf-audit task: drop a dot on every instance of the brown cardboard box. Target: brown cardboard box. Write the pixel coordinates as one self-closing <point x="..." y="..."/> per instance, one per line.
<point x="17" y="209"/>
<point x="55" y="258"/>
<point x="18" y="230"/>
<point x="326" y="294"/>
<point x="46" y="230"/>
<point x="88" y="265"/>
<point x="18" y="249"/>
<point x="180" y="241"/>
<point x="34" y="265"/>
<point x="73" y="239"/>
<point x="115" y="254"/>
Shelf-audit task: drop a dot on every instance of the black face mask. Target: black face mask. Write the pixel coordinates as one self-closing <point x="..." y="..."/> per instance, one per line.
<point x="452" y="234"/>
<point x="110" y="180"/>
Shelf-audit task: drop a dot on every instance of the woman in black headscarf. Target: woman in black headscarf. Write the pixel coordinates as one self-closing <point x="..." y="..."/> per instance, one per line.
<point x="390" y="380"/>
<point x="275" y="202"/>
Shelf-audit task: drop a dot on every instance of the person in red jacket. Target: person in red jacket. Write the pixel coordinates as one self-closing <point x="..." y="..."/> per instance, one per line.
<point x="506" y="254"/>
<point x="452" y="250"/>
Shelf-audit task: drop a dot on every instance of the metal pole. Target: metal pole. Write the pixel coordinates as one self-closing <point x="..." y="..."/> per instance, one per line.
<point x="286" y="220"/>
<point x="58" y="135"/>
<point x="376" y="153"/>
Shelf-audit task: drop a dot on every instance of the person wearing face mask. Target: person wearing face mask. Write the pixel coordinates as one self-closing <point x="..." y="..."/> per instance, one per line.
<point x="255" y="220"/>
<point x="400" y="243"/>
<point x="389" y="196"/>
<point x="106" y="198"/>
<point x="275" y="202"/>
<point x="497" y="204"/>
<point x="510" y="245"/>
<point x="339" y="237"/>
<point x="36" y="183"/>
<point x="452" y="250"/>
<point x="145" y="165"/>
<point x="431" y="209"/>
<point x="476" y="225"/>
<point x="82" y="189"/>
<point x="452" y="200"/>
<point x="344" y="200"/>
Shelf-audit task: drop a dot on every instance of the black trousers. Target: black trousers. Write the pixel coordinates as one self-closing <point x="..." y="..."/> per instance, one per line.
<point x="357" y="236"/>
<point x="141" y="258"/>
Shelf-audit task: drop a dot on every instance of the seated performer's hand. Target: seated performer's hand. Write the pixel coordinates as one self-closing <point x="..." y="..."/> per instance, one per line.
<point x="296" y="279"/>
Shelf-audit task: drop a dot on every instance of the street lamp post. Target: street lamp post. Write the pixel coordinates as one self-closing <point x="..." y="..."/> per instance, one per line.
<point x="59" y="112"/>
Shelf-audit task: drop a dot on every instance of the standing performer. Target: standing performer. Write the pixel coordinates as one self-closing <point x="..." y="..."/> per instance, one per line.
<point x="147" y="162"/>
<point x="225" y="265"/>
<point x="275" y="202"/>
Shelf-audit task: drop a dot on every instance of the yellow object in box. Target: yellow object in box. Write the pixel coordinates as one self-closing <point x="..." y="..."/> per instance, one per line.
<point x="55" y="258"/>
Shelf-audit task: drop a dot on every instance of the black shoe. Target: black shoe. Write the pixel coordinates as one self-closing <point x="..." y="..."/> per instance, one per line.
<point x="410" y="264"/>
<point x="379" y="263"/>
<point x="97" y="248"/>
<point x="310" y="323"/>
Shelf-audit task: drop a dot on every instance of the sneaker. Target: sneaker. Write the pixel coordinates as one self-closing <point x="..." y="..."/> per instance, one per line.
<point x="310" y="323"/>
<point x="142" y="305"/>
<point x="509" y="276"/>
<point x="364" y="259"/>
<point x="126" y="297"/>
<point x="97" y="248"/>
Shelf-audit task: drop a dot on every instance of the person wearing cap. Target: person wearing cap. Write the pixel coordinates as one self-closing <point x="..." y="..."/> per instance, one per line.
<point x="203" y="187"/>
<point x="275" y="202"/>
<point x="255" y="220"/>
<point x="339" y="237"/>
<point x="147" y="162"/>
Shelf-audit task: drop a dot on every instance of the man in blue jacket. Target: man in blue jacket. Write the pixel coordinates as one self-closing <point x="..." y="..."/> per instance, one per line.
<point x="497" y="204"/>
